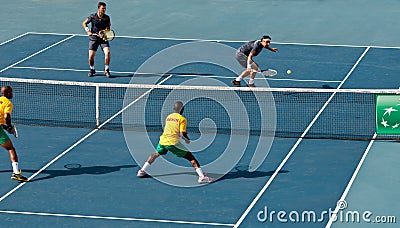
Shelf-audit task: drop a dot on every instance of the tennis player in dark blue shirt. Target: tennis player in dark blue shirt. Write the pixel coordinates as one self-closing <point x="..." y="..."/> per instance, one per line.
<point x="244" y="55"/>
<point x="99" y="21"/>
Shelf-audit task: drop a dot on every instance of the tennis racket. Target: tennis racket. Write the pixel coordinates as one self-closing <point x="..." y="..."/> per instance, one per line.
<point x="107" y="35"/>
<point x="15" y="131"/>
<point x="267" y="73"/>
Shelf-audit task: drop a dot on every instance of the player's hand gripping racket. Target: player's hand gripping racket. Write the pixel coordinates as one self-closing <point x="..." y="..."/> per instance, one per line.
<point x="107" y="35"/>
<point x="13" y="130"/>
<point x="267" y="73"/>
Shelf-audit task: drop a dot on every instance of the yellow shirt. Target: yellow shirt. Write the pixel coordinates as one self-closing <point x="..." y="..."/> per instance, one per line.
<point x="5" y="107"/>
<point x="174" y="124"/>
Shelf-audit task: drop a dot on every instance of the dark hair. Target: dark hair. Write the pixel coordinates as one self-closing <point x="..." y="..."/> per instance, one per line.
<point x="178" y="107"/>
<point x="101" y="4"/>
<point x="5" y="90"/>
<point x="266" y="37"/>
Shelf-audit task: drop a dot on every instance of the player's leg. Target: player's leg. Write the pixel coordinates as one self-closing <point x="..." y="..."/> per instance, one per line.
<point x="244" y="74"/>
<point x="160" y="150"/>
<point x="93" y="46"/>
<point x="203" y="179"/>
<point x="153" y="157"/>
<point x="180" y="150"/>
<point x="107" y="58"/>
<point x="253" y="74"/>
<point x="8" y="145"/>
<point x="189" y="156"/>
<point x="91" y="58"/>
<point x="92" y="71"/>
<point x="242" y="60"/>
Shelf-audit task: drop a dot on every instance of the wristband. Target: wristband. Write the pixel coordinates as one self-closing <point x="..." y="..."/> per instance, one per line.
<point x="185" y="135"/>
<point x="87" y="29"/>
<point x="248" y="65"/>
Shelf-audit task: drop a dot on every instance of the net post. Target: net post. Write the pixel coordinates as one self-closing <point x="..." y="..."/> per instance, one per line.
<point x="97" y="105"/>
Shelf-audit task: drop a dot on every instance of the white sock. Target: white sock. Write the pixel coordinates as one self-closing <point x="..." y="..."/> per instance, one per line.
<point x="199" y="172"/>
<point x="251" y="81"/>
<point x="15" y="167"/>
<point x="92" y="67"/>
<point x="106" y="67"/>
<point x="238" y="79"/>
<point x="145" y="166"/>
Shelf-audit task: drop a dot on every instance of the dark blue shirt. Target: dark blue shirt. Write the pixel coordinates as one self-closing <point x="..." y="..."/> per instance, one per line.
<point x="97" y="23"/>
<point x="251" y="46"/>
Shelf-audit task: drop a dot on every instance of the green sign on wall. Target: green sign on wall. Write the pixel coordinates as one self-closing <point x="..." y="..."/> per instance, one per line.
<point x="388" y="114"/>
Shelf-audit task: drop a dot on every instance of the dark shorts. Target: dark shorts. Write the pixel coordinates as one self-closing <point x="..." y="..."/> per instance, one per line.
<point x="241" y="58"/>
<point x="95" y="42"/>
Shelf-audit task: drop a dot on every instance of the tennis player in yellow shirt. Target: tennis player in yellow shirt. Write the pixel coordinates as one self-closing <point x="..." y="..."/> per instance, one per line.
<point x="175" y="128"/>
<point x="6" y="108"/>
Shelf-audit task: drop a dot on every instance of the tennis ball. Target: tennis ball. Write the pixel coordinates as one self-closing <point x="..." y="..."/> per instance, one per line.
<point x="288" y="71"/>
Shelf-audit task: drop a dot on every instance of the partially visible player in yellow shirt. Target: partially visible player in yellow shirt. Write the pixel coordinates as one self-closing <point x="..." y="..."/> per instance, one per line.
<point x="6" y="108"/>
<point x="175" y="128"/>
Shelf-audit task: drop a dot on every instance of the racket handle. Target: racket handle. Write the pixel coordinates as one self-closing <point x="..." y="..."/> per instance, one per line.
<point x="6" y="127"/>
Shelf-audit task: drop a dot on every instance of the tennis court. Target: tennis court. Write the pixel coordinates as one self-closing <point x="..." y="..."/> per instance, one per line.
<point x="83" y="176"/>
<point x="82" y="150"/>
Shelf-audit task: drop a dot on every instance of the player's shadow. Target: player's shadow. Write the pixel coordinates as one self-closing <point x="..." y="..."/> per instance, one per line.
<point x="162" y="75"/>
<point x="76" y="169"/>
<point x="231" y="175"/>
<point x="327" y="87"/>
<point x="247" y="174"/>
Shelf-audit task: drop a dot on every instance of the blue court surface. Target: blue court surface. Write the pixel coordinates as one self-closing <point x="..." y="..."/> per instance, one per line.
<point x="83" y="176"/>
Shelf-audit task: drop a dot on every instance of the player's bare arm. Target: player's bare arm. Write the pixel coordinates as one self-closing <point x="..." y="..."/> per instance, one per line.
<point x="84" y="25"/>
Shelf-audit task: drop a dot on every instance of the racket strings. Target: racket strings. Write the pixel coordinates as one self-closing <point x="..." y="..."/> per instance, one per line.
<point x="108" y="35"/>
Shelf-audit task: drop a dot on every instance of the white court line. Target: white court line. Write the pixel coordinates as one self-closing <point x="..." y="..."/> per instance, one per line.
<point x="179" y="75"/>
<point x="216" y="40"/>
<point x="244" y="215"/>
<point x="14" y="38"/>
<point x="12" y="65"/>
<point x="283" y="162"/>
<point x="300" y="80"/>
<point x="346" y="191"/>
<point x="78" y="142"/>
<point x="36" y="53"/>
<point x="49" y="68"/>
<point x="115" y="218"/>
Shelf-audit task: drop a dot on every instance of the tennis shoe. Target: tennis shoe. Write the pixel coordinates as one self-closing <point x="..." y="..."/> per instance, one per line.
<point x="236" y="83"/>
<point x="18" y="177"/>
<point x="107" y="73"/>
<point x="141" y="173"/>
<point x="205" y="179"/>
<point x="92" y="72"/>
<point x="251" y="85"/>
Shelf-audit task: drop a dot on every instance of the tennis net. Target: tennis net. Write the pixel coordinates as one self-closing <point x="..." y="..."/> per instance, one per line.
<point x="280" y="112"/>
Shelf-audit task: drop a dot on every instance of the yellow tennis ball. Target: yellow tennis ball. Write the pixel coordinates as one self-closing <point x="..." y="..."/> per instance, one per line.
<point x="288" y="71"/>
